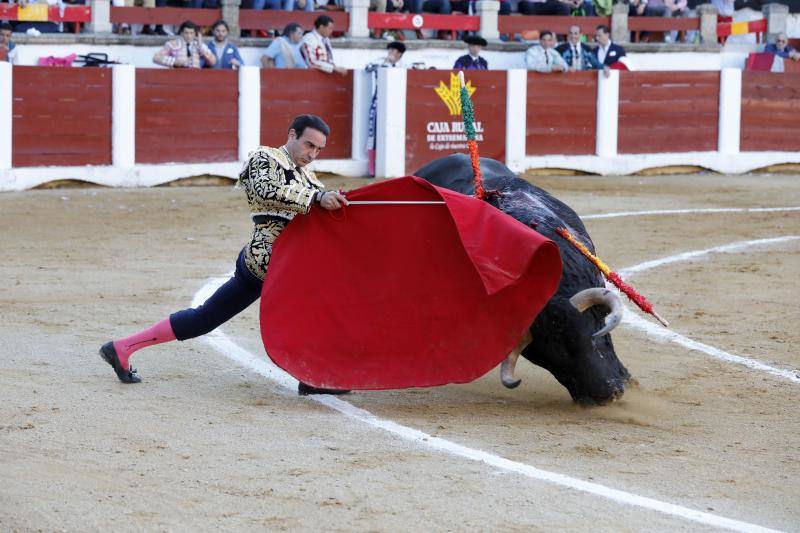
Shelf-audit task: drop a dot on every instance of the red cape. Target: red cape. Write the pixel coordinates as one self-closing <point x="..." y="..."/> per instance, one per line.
<point x="396" y="296"/>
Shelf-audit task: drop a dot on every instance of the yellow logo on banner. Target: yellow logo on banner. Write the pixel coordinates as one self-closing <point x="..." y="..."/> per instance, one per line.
<point x="32" y="12"/>
<point x="451" y="96"/>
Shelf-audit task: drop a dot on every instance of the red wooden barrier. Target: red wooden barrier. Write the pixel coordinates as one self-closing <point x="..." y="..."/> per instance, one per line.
<point x="661" y="24"/>
<point x="791" y="66"/>
<point x="61" y="116"/>
<point x="164" y="15"/>
<point x="273" y="19"/>
<point x="520" y="23"/>
<point x="561" y="113"/>
<point x="433" y="120"/>
<point x="52" y="14"/>
<point x="418" y="21"/>
<point x="186" y="115"/>
<point x="288" y="93"/>
<point x="770" y="107"/>
<point x="668" y="112"/>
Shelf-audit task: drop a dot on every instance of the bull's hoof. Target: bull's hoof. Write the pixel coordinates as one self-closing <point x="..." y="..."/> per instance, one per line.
<point x="511" y="384"/>
<point x="304" y="389"/>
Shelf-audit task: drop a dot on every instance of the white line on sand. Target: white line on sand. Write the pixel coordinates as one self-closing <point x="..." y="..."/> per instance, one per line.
<point x="656" y="332"/>
<point x="689" y="212"/>
<point x="261" y="365"/>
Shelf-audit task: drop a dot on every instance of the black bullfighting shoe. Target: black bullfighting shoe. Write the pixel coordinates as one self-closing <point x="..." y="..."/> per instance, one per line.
<point x="109" y="355"/>
<point x="304" y="390"/>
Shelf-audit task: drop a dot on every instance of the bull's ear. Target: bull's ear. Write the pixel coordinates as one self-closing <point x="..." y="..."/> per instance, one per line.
<point x="599" y="296"/>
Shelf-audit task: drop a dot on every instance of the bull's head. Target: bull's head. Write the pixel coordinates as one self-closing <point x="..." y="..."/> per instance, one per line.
<point x="570" y="338"/>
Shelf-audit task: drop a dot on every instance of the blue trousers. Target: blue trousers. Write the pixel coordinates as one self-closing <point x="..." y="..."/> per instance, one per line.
<point x="286" y="5"/>
<point x="229" y="300"/>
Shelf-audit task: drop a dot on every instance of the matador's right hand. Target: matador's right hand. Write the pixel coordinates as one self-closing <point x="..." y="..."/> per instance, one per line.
<point x="332" y="200"/>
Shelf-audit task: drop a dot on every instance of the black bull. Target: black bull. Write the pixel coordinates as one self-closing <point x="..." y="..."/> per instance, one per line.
<point x="572" y="345"/>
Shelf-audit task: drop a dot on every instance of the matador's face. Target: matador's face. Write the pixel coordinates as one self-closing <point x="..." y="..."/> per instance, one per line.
<point x="306" y="148"/>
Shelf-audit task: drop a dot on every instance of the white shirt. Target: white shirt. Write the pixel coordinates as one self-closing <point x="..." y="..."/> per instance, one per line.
<point x="602" y="51"/>
<point x="577" y="56"/>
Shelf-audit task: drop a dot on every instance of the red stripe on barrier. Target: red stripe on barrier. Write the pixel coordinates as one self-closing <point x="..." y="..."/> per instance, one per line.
<point x="275" y="19"/>
<point x="557" y="24"/>
<point x="164" y="15"/>
<point x="399" y="21"/>
<point x="71" y="13"/>
<point x="663" y="24"/>
<point x="754" y="26"/>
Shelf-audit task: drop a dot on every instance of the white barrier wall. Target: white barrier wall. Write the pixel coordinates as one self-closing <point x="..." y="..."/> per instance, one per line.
<point x="391" y="135"/>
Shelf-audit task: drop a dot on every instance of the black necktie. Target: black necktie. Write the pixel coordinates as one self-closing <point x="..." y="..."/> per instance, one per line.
<point x="574" y="56"/>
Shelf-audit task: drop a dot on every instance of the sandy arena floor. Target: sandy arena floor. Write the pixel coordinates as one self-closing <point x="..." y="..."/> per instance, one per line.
<point x="206" y="443"/>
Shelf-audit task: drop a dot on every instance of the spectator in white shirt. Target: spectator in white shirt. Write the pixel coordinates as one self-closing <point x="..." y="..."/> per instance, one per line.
<point x="316" y="47"/>
<point x="543" y="57"/>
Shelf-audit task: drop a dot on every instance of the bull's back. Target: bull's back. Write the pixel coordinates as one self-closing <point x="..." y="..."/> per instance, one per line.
<point x="454" y="172"/>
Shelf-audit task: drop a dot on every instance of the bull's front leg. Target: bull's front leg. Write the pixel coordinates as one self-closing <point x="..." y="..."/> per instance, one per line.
<point x="509" y="363"/>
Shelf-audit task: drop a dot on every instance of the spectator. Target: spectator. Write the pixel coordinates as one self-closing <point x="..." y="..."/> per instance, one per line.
<point x="647" y="8"/>
<point x="472" y="60"/>
<point x="8" y="50"/>
<point x="606" y="53"/>
<point x="208" y="4"/>
<point x="468" y="7"/>
<point x="394" y="56"/>
<point x="187" y="51"/>
<point x="286" y="5"/>
<point x="781" y="48"/>
<point x="576" y="54"/>
<point x="693" y="36"/>
<point x="147" y="29"/>
<point x="544" y="7"/>
<point x="284" y="51"/>
<point x="393" y="59"/>
<point x="725" y="10"/>
<point x="316" y="46"/>
<point x="227" y="54"/>
<point x="441" y="7"/>
<point x="543" y="56"/>
<point x="601" y="8"/>
<point x="676" y="8"/>
<point x="383" y="6"/>
<point x="659" y="8"/>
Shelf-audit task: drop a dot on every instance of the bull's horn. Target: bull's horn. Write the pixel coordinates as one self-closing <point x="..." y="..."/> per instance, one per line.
<point x="507" y="370"/>
<point x="597" y="296"/>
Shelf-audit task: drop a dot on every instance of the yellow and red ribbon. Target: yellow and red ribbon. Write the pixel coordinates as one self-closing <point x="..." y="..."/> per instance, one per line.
<point x="643" y="303"/>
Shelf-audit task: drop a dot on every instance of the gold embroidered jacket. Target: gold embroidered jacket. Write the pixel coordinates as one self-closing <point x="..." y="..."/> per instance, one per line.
<point x="275" y="187"/>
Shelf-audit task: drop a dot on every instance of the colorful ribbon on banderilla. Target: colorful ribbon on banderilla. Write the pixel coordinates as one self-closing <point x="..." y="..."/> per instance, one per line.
<point x="468" y="116"/>
<point x="612" y="276"/>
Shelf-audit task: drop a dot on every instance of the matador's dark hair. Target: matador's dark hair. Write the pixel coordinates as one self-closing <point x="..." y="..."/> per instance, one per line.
<point x="603" y="28"/>
<point x="301" y="122"/>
